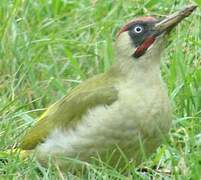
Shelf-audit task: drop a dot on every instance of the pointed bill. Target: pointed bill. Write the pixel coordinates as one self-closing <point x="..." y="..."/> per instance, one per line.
<point x="172" y="20"/>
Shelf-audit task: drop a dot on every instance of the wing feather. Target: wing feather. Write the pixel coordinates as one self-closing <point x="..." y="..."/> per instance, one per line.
<point x="68" y="111"/>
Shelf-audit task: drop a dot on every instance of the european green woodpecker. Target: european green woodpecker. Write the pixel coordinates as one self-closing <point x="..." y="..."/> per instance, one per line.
<point x="121" y="114"/>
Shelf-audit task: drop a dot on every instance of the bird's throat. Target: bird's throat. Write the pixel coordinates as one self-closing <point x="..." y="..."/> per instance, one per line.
<point x="144" y="46"/>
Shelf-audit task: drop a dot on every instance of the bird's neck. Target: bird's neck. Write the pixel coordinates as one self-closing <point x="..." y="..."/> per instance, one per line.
<point x="143" y="70"/>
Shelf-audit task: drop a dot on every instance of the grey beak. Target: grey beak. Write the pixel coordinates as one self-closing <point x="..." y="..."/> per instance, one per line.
<point x="172" y="20"/>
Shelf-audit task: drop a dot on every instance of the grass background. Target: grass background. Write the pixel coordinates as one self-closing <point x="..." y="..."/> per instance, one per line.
<point x="49" y="46"/>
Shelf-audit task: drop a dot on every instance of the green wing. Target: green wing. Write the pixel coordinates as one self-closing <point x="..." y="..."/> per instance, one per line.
<point x="68" y="111"/>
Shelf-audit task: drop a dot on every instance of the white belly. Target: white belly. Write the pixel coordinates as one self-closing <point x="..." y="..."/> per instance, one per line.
<point x="130" y="122"/>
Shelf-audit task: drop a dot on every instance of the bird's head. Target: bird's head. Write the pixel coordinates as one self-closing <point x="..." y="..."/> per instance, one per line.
<point x="142" y="39"/>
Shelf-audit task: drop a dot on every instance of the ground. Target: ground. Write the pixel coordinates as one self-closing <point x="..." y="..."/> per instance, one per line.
<point x="48" y="47"/>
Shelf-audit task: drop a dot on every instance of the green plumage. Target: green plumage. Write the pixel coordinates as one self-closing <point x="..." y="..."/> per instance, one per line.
<point x="66" y="112"/>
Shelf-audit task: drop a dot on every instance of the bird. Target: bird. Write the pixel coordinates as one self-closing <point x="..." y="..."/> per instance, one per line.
<point x="120" y="116"/>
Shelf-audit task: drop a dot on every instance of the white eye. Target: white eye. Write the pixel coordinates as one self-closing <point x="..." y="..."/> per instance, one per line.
<point x="138" y="29"/>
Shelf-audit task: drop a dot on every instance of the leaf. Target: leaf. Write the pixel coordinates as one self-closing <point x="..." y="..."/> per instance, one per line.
<point x="151" y="3"/>
<point x="198" y="2"/>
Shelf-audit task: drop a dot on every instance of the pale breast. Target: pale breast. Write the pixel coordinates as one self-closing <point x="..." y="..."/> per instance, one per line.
<point x="148" y="107"/>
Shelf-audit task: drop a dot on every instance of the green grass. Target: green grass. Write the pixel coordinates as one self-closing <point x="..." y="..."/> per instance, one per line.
<point x="47" y="47"/>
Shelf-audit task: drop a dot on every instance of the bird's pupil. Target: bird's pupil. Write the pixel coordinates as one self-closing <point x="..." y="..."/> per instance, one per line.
<point x="138" y="29"/>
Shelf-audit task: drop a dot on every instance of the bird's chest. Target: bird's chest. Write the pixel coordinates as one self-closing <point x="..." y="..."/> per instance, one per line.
<point x="145" y="109"/>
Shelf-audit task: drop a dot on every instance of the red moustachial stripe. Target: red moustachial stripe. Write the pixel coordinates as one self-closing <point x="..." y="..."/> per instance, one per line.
<point x="144" y="46"/>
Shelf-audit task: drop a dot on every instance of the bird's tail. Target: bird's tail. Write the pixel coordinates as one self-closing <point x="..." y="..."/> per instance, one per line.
<point x="5" y="155"/>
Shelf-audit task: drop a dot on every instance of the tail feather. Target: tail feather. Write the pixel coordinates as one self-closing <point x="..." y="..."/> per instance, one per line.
<point x="5" y="155"/>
